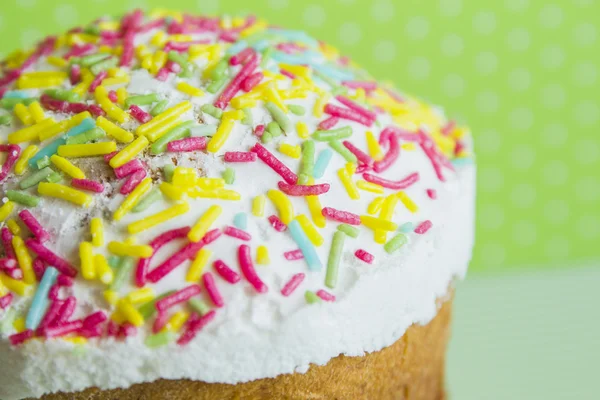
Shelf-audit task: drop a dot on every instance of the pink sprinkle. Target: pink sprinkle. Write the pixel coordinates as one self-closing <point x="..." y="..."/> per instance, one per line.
<point x="94" y="319"/>
<point x="50" y="258"/>
<point x="460" y="146"/>
<point x="54" y="105"/>
<point x="139" y="114"/>
<point x="325" y="296"/>
<point x="75" y="74"/>
<point x="423" y="227"/>
<point x="348" y="114"/>
<point x="353" y="106"/>
<point x="275" y="164"/>
<point x="396" y="185"/>
<point x="112" y="96"/>
<point x="226" y="273"/>
<point x="76" y="108"/>
<point x="127" y="330"/>
<point x="132" y="182"/>
<point x="13" y="151"/>
<point x="64" y="281"/>
<point x="109" y="156"/>
<point x="34" y="226"/>
<point x="250" y="82"/>
<point x="234" y="86"/>
<point x="96" y="111"/>
<point x="53" y="292"/>
<point x="6" y="301"/>
<point x="180" y="296"/>
<point x="434" y="157"/>
<point x="187" y="144"/>
<point x="364" y="256"/>
<point x="242" y="56"/>
<point x="97" y="81"/>
<point x="63" y="329"/>
<point x="87" y="184"/>
<point x="160" y="322"/>
<point x="173" y="67"/>
<point x="162" y="74"/>
<point x="259" y="130"/>
<point x="229" y="37"/>
<point x="6" y="237"/>
<point x="287" y="73"/>
<point x="292" y="284"/>
<point x="79" y="50"/>
<point x="112" y="329"/>
<point x="360" y="155"/>
<point x="128" y="168"/>
<point x="13" y="272"/>
<point x="448" y="128"/>
<point x="341" y="216"/>
<point x="90" y="332"/>
<point x="303" y="190"/>
<point x="195" y="326"/>
<point x="128" y="50"/>
<point x="151" y="25"/>
<point x="237" y="233"/>
<point x="432" y="194"/>
<point x="328" y="123"/>
<point x="7" y="263"/>
<point x="39" y="268"/>
<point x="19" y="338"/>
<point x="293" y="255"/>
<point x="245" y="259"/>
<point x="362" y="168"/>
<point x="51" y="315"/>
<point x="368" y="86"/>
<point x="239" y="156"/>
<point x="390" y="157"/>
<point x="67" y="309"/>
<point x="213" y="291"/>
<point x="277" y="224"/>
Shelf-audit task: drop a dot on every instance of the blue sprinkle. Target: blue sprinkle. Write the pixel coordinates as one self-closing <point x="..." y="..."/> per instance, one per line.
<point x="261" y="45"/>
<point x="237" y="47"/>
<point x="459" y="162"/>
<point x="296" y="36"/>
<point x="40" y="300"/>
<point x="16" y="94"/>
<point x="307" y="248"/>
<point x="407" y="227"/>
<point x="322" y="163"/>
<point x="334" y="73"/>
<point x="240" y="221"/>
<point x="52" y="148"/>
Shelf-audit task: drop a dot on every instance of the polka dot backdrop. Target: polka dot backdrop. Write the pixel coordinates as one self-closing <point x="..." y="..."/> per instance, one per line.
<point x="523" y="73"/>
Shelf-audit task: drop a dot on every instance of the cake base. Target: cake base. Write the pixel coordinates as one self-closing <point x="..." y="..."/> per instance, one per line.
<point x="410" y="369"/>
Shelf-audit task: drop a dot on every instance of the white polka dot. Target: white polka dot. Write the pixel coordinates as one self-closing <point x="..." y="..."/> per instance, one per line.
<point x="450" y="8"/>
<point x="1" y="21"/>
<point x="551" y="16"/>
<point x="489" y="142"/>
<point x="385" y="51"/>
<point x="585" y="74"/>
<point x="453" y="85"/>
<point x="585" y="34"/>
<point x="276" y="4"/>
<point x="487" y="102"/>
<point x="314" y="15"/>
<point x="66" y="15"/>
<point x="491" y="179"/>
<point x="30" y="37"/>
<point x="486" y="63"/>
<point x="555" y="135"/>
<point x="524" y="233"/>
<point x="522" y="157"/>
<point x="484" y="22"/>
<point x="26" y="3"/>
<point x="210" y="7"/>
<point x="452" y="45"/>
<point x="555" y="173"/>
<point x="521" y="119"/>
<point x="553" y="96"/>
<point x="419" y="68"/>
<point x="417" y="28"/>
<point x="492" y="216"/>
<point x="523" y="195"/>
<point x="350" y="33"/>
<point x="143" y="4"/>
<point x="552" y="57"/>
<point x="558" y="247"/>
<point x="517" y="5"/>
<point x="557" y="211"/>
<point x="519" y="79"/>
<point x="587" y="189"/>
<point x="588" y="227"/>
<point x="383" y="10"/>
<point x="586" y="113"/>
<point x="493" y="254"/>
<point x="518" y="39"/>
<point x="587" y="151"/>
<point x="583" y="3"/>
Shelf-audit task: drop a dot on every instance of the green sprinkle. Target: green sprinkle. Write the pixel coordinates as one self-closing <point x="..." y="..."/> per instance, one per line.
<point x="199" y="306"/>
<point x="43" y="162"/>
<point x="54" y="177"/>
<point x="247" y="120"/>
<point x="216" y="85"/>
<point x="87" y="136"/>
<point x="142" y="100"/>
<point x="220" y="70"/>
<point x="92" y="59"/>
<point x="35" y="178"/>
<point x="168" y="171"/>
<point x="11" y="102"/>
<point x="92" y="30"/>
<point x="266" y="137"/>
<point x="349" y="230"/>
<point x="274" y="129"/>
<point x="64" y="95"/>
<point x="266" y="56"/>
<point x="397" y="241"/>
<point x="180" y="131"/>
<point x="186" y="72"/>
<point x="178" y="58"/>
<point x="159" y="107"/>
<point x="149" y="309"/>
<point x="279" y="116"/>
<point x="204" y="130"/>
<point x="311" y="297"/>
<point x="297" y="110"/>
<point x="9" y="317"/>
<point x="152" y="196"/>
<point x="114" y="262"/>
<point x="307" y="162"/>
<point x="5" y="119"/>
<point x="104" y="65"/>
<point x="339" y="90"/>
<point x="211" y="110"/>
<point x="229" y="176"/>
<point x="22" y="198"/>
<point x="334" y="134"/>
<point x="123" y="273"/>
<point x="335" y="255"/>
<point x="159" y="339"/>
<point x="332" y="83"/>
<point x="343" y="151"/>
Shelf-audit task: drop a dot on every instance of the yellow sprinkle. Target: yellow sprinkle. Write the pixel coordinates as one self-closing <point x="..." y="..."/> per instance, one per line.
<point x="174" y="111"/>
<point x="132" y="199"/>
<point x="19" y="324"/>
<point x="258" y="206"/>
<point x="79" y="340"/>
<point x="158" y="218"/>
<point x="22" y="112"/>
<point x="186" y="88"/>
<point x="298" y="70"/>
<point x="97" y="230"/>
<point x="185" y="177"/>
<point x="65" y="193"/>
<point x="87" y="149"/>
<point x="111" y="297"/>
<point x="200" y="261"/>
<point x="113" y="130"/>
<point x="204" y="223"/>
<point x="164" y="127"/>
<point x="262" y="255"/>
<point x="302" y="130"/>
<point x="373" y="146"/>
<point x="62" y="126"/>
<point x="378" y="223"/>
<point x="370" y="187"/>
<point x="375" y="205"/>
<point x="408" y="146"/>
<point x="309" y="229"/>
<point x="283" y="205"/>
<point x="210" y="183"/>
<point x="141" y="296"/>
<point x="243" y="101"/>
<point x="41" y="79"/>
<point x="351" y="168"/>
<point x="117" y="80"/>
<point x="21" y="163"/>
<point x="407" y="201"/>
<point x="67" y="167"/>
<point x="6" y="209"/>
<point x="130" y="313"/>
<point x="290" y="151"/>
<point x="141" y="51"/>
<point x="88" y="270"/>
<point x="102" y="270"/>
<point x="37" y="112"/>
<point x="24" y="260"/>
<point x="19" y="287"/>
<point x="114" y="112"/>
<point x="57" y="61"/>
<point x="158" y="61"/>
<point x="3" y="289"/>
<point x="320" y="105"/>
<point x="129" y="152"/>
<point x="386" y="214"/>
<point x="30" y="133"/>
<point x="116" y="72"/>
<point x="348" y="184"/>
<point x="316" y="210"/>
<point x="147" y="62"/>
<point x="177" y="320"/>
<point x="13" y="226"/>
<point x="218" y="140"/>
<point x="121" y="96"/>
<point x="273" y="95"/>
<point x="159" y="39"/>
<point x="132" y="250"/>
<point x="172" y="192"/>
<point x="117" y="315"/>
<point x="82" y="87"/>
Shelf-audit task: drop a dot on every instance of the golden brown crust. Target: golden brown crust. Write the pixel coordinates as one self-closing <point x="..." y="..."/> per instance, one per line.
<point x="410" y="369"/>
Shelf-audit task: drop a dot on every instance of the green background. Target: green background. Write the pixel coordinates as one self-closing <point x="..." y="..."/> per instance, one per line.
<point x="522" y="73"/>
